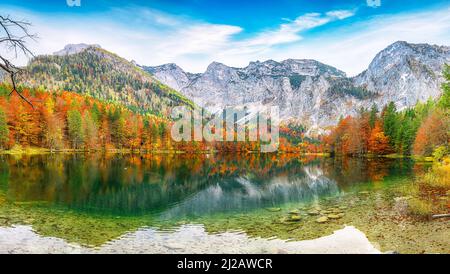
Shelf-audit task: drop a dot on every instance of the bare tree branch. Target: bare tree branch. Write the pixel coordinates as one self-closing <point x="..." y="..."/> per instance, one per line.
<point x="13" y="36"/>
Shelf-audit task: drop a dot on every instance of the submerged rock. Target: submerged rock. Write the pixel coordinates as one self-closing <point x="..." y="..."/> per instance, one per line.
<point x="334" y="216"/>
<point x="294" y="218"/>
<point x="273" y="209"/>
<point x="322" y="219"/>
<point x="313" y="212"/>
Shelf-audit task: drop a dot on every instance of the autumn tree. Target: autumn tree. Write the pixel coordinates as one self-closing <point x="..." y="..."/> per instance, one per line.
<point x="146" y="134"/>
<point x="53" y="125"/>
<point x="90" y="131"/>
<point x="337" y="139"/>
<point x="432" y="133"/>
<point x="75" y="127"/>
<point x="4" y="131"/>
<point x="353" y="141"/>
<point x="378" y="142"/>
<point x="25" y="123"/>
<point x="53" y="133"/>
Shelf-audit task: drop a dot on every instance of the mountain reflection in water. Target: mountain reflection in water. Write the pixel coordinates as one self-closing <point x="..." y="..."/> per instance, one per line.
<point x="181" y="185"/>
<point x="246" y="193"/>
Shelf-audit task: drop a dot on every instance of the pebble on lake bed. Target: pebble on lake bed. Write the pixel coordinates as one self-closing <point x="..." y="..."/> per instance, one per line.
<point x="322" y="219"/>
<point x="294" y="218"/>
<point x="334" y="216"/>
<point x="313" y="212"/>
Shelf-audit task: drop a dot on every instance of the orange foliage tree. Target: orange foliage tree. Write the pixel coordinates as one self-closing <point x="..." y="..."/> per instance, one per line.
<point x="432" y="133"/>
<point x="378" y="142"/>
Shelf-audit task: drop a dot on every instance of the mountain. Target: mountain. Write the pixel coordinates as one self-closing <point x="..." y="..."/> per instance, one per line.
<point x="89" y="69"/>
<point x="406" y="73"/>
<point x="314" y="93"/>
<point x="172" y="75"/>
<point x="74" y="49"/>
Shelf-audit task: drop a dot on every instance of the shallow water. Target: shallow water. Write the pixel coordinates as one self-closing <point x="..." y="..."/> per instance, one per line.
<point x="93" y="200"/>
<point x="187" y="239"/>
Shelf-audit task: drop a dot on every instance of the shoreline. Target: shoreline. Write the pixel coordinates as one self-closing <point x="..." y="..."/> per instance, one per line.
<point x="30" y="151"/>
<point x="348" y="240"/>
<point x="43" y="151"/>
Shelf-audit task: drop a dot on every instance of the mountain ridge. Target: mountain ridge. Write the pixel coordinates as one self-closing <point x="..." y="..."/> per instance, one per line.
<point x="89" y="69"/>
<point x="313" y="92"/>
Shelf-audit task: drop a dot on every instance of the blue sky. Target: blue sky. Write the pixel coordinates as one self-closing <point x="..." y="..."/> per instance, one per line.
<point x="193" y="33"/>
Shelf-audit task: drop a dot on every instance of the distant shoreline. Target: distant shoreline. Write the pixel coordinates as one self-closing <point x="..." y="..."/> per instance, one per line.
<point x="42" y="151"/>
<point x="38" y="151"/>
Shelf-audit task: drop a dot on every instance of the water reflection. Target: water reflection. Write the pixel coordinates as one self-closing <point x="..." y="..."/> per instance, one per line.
<point x="182" y="185"/>
<point x="251" y="192"/>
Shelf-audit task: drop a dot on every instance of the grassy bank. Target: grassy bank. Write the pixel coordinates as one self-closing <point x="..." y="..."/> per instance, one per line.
<point x="429" y="194"/>
<point x="19" y="150"/>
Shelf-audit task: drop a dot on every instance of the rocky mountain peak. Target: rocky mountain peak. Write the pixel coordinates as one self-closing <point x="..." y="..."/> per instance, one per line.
<point x="312" y="68"/>
<point x="402" y="52"/>
<point x="215" y="67"/>
<point x="74" y="49"/>
<point x="304" y="67"/>
<point x="172" y="67"/>
<point x="220" y="72"/>
<point x="171" y="74"/>
<point x="406" y="73"/>
<point x="314" y="93"/>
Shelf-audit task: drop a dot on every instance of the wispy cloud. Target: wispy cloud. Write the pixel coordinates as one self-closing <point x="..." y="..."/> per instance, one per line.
<point x="353" y="47"/>
<point x="151" y="37"/>
<point x="291" y="31"/>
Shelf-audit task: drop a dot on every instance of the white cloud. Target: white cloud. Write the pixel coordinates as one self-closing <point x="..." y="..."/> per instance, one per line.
<point x="291" y="31"/>
<point x="151" y="37"/>
<point x="340" y="14"/>
<point x="352" y="48"/>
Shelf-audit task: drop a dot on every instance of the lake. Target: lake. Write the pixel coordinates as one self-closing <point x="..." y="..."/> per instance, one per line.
<point x="173" y="203"/>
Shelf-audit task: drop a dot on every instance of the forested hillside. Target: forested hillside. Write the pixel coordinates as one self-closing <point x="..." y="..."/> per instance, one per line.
<point x="420" y="130"/>
<point x="63" y="119"/>
<point x="103" y="75"/>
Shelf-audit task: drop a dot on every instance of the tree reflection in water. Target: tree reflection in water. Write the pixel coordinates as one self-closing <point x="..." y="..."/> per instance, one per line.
<point x="183" y="185"/>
